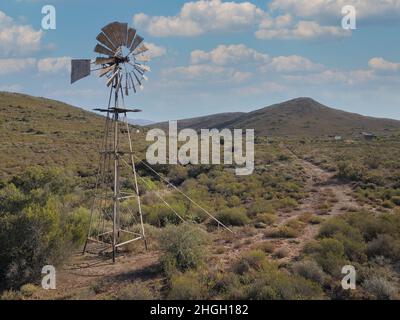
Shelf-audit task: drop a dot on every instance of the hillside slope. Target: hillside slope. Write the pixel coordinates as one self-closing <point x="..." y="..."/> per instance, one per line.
<point x="39" y="131"/>
<point x="297" y="117"/>
<point x="220" y="120"/>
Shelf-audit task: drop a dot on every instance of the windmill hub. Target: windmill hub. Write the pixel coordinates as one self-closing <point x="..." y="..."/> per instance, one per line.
<point x="121" y="60"/>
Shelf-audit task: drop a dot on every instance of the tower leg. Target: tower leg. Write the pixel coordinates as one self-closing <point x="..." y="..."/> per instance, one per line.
<point x="136" y="185"/>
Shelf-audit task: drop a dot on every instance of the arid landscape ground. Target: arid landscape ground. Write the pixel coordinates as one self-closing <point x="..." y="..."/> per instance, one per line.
<point x="314" y="204"/>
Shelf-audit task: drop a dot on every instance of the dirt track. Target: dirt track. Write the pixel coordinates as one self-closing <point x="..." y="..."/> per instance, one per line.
<point x="320" y="183"/>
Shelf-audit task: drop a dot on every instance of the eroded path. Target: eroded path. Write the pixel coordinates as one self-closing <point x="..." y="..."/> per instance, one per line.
<point x="327" y="197"/>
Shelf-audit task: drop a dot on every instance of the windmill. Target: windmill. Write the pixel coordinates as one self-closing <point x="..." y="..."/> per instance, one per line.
<point x="123" y="64"/>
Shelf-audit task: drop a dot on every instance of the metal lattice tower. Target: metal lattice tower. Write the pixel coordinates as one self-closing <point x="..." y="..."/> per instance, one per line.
<point x="112" y="223"/>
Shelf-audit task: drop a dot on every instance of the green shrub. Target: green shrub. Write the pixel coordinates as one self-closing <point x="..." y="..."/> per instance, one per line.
<point x="28" y="290"/>
<point x="137" y="291"/>
<point x="380" y="288"/>
<point x="182" y="247"/>
<point x="282" y="232"/>
<point x="315" y="220"/>
<point x="10" y="295"/>
<point x="384" y="245"/>
<point x="264" y="281"/>
<point x="351" y="171"/>
<point x="188" y="286"/>
<point x="396" y="200"/>
<point x="250" y="260"/>
<point x="266" y="246"/>
<point x="159" y="215"/>
<point x="267" y="218"/>
<point x="43" y="231"/>
<point x="233" y="217"/>
<point x="281" y="253"/>
<point x="309" y="269"/>
<point x="350" y="237"/>
<point x="11" y="199"/>
<point x="329" y="254"/>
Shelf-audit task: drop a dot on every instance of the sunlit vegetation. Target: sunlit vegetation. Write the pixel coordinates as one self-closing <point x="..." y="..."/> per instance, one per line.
<point x="282" y="247"/>
<point x="40" y="223"/>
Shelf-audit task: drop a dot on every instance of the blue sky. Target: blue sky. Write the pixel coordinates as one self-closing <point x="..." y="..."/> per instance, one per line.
<point x="213" y="56"/>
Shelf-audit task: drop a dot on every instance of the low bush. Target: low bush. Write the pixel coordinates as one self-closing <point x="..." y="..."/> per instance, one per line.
<point x="309" y="269"/>
<point x="250" y="260"/>
<point x="233" y="217"/>
<point x="28" y="290"/>
<point x="282" y="232"/>
<point x="380" y="288"/>
<point x="266" y="246"/>
<point x="265" y="281"/>
<point x="182" y="247"/>
<point x="188" y="286"/>
<point x="384" y="245"/>
<point x="281" y="253"/>
<point x="267" y="218"/>
<point x="329" y="254"/>
<point x="137" y="291"/>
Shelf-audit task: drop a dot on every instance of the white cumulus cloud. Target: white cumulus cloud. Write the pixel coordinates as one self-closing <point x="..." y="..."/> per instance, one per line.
<point x="155" y="51"/>
<point x="54" y="65"/>
<point x="15" y="65"/>
<point x="302" y="30"/>
<point x="224" y="55"/>
<point x="323" y="9"/>
<point x="381" y="64"/>
<point x="17" y="39"/>
<point x="199" y="17"/>
<point x="44" y="66"/>
<point x="293" y="64"/>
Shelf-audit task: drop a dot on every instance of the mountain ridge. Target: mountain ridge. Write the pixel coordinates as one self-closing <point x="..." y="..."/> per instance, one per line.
<point x="302" y="116"/>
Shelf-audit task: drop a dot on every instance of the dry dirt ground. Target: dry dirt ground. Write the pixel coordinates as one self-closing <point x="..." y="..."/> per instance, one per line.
<point x="323" y="188"/>
<point x="94" y="277"/>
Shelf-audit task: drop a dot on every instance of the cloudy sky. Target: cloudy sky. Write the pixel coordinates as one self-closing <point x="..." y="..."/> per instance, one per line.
<point x="214" y="56"/>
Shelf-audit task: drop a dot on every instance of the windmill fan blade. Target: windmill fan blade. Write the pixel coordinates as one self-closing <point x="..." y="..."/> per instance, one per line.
<point x="103" y="50"/>
<point x="117" y="33"/>
<point x="111" y="31"/>
<point x="137" y="78"/>
<point x="101" y="60"/>
<point x="79" y="69"/>
<point x="102" y="38"/>
<point x="123" y="34"/>
<point x="140" y="50"/>
<point x="112" y="78"/>
<point x="126" y="85"/>
<point x="138" y="40"/>
<point x="106" y="70"/>
<point x="131" y="36"/>
<point x="133" y="83"/>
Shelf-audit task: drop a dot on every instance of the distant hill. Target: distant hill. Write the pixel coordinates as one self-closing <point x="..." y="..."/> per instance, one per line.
<point x="220" y="120"/>
<point x="140" y="122"/>
<point x="297" y="117"/>
<point x="39" y="131"/>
